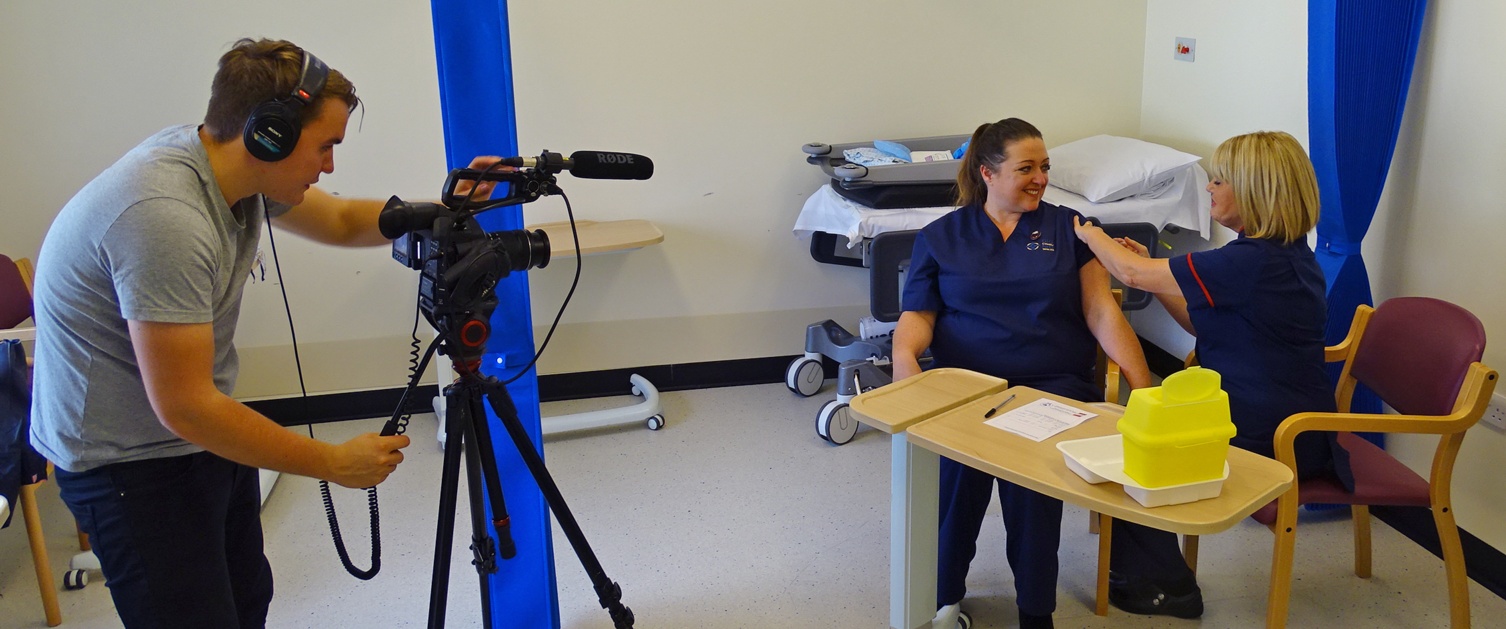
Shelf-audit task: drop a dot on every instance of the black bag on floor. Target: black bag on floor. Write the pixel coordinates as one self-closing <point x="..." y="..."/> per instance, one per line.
<point x="19" y="463"/>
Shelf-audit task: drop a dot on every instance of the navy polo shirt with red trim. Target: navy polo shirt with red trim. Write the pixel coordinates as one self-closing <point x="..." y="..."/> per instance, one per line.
<point x="1259" y="310"/>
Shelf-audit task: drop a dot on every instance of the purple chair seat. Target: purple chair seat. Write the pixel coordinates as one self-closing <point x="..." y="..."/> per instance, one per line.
<point x="1379" y="479"/>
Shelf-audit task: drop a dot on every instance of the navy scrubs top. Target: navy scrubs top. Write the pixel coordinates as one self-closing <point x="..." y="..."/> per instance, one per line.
<point x="1259" y="310"/>
<point x="1007" y="308"/>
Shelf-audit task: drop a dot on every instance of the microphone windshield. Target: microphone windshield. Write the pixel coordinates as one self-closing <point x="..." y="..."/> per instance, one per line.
<point x="604" y="165"/>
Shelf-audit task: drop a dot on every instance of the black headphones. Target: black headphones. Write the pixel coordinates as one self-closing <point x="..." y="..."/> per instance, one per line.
<point x="272" y="130"/>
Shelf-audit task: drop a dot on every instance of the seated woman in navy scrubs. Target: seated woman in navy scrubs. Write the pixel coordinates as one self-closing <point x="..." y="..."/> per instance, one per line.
<point x="1001" y="286"/>
<point x="1257" y="308"/>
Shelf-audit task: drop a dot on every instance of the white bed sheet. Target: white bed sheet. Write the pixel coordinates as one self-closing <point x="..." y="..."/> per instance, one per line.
<point x="1184" y="203"/>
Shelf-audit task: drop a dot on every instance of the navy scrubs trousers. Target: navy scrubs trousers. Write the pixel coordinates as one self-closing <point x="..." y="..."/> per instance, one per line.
<point x="1032" y="528"/>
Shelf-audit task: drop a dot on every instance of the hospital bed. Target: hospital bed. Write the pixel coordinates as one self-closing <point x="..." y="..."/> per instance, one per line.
<point x="867" y="216"/>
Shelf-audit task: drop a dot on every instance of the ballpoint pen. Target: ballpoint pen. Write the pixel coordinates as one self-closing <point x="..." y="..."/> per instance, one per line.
<point x="998" y="406"/>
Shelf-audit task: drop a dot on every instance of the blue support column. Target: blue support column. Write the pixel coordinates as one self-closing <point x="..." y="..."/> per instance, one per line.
<point x="475" y="88"/>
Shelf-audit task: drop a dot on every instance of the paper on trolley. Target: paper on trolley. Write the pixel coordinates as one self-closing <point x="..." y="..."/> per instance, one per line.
<point x="1040" y="420"/>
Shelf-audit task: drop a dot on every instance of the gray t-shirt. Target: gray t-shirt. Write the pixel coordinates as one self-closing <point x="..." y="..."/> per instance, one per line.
<point x="149" y="239"/>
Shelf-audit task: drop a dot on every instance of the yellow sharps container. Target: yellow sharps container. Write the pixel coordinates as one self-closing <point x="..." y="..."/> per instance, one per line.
<point x="1179" y="432"/>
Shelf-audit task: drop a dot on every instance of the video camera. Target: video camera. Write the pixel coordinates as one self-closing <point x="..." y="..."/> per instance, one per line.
<point x="460" y="263"/>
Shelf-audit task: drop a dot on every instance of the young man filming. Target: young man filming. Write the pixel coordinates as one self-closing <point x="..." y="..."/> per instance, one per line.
<point x="138" y="291"/>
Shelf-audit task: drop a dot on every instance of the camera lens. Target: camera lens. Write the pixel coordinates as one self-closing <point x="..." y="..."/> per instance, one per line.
<point x="524" y="249"/>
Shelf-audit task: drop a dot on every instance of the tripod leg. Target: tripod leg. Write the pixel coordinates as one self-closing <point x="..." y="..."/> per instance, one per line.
<point x="482" y="457"/>
<point x="455" y="422"/>
<point x="608" y="593"/>
<point x="483" y="550"/>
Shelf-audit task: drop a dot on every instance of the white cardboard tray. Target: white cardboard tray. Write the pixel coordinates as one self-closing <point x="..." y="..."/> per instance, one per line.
<point x="1101" y="460"/>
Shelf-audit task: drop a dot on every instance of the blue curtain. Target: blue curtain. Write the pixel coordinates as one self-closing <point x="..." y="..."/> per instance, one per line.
<point x="1360" y="55"/>
<point x="475" y="89"/>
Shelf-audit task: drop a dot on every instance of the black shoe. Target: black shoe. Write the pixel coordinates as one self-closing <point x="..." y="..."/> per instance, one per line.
<point x="1028" y="621"/>
<point x="1140" y="596"/>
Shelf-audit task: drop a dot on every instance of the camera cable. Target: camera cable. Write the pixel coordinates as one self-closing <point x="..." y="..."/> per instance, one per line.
<point x="575" y="281"/>
<point x="329" y="504"/>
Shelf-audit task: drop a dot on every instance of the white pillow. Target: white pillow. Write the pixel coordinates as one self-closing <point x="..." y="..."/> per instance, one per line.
<point x="1106" y="168"/>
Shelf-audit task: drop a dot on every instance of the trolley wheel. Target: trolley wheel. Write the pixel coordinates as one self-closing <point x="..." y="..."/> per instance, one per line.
<point x="835" y="423"/>
<point x="804" y="376"/>
<point x="850" y="172"/>
<point x="964" y="621"/>
<point x="656" y="422"/>
<point x="75" y="579"/>
<point x="816" y="148"/>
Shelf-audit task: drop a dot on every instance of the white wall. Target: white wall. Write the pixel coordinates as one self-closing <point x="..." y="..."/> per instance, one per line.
<point x="1250" y="74"/>
<point x="85" y="85"/>
<point x="1439" y="227"/>
<point x="720" y="95"/>
<point x="1439" y="231"/>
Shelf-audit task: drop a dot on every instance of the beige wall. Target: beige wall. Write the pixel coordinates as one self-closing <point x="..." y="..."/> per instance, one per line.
<point x="1438" y="230"/>
<point x="87" y="84"/>
<point x="1250" y="74"/>
<point x="720" y="96"/>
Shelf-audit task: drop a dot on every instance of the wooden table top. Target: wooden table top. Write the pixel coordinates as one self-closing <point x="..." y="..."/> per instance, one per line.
<point x="896" y="407"/>
<point x="954" y="428"/>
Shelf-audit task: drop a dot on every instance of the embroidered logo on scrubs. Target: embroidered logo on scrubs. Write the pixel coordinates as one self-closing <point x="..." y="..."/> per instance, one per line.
<point x="1041" y="246"/>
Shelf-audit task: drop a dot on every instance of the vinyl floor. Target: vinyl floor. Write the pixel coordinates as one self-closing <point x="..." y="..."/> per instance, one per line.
<point x="734" y="515"/>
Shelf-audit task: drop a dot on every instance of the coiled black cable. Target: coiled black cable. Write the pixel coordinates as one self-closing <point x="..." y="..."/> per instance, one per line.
<point x="329" y="504"/>
<point x="334" y="531"/>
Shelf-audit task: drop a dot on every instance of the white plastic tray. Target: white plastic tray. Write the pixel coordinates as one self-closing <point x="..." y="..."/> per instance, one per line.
<point x="1101" y="460"/>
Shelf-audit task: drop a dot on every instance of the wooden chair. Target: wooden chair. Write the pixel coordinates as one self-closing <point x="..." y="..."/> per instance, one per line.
<point x="1421" y="357"/>
<point x="15" y="308"/>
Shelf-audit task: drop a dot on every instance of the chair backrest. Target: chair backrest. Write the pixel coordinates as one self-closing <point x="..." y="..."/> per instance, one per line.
<point x="888" y="257"/>
<point x="1415" y="352"/>
<point x="15" y="292"/>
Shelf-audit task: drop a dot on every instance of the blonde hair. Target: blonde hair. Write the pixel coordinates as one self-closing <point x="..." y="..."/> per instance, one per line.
<point x="1273" y="181"/>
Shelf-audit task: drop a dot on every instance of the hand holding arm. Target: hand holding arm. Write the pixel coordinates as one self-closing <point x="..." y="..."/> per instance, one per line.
<point x="1130" y="262"/>
<point x="1147" y="274"/>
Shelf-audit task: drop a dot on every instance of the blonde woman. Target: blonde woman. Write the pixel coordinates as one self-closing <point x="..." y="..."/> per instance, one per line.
<point x="1257" y="308"/>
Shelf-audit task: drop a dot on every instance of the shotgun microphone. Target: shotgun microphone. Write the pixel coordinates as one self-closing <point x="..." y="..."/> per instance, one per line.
<point x="589" y="164"/>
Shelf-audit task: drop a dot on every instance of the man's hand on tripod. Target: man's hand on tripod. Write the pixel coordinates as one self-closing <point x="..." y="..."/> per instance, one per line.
<point x="364" y="461"/>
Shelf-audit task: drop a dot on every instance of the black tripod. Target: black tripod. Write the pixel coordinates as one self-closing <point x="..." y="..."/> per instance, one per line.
<point x="461" y="265"/>
<point x="467" y="433"/>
